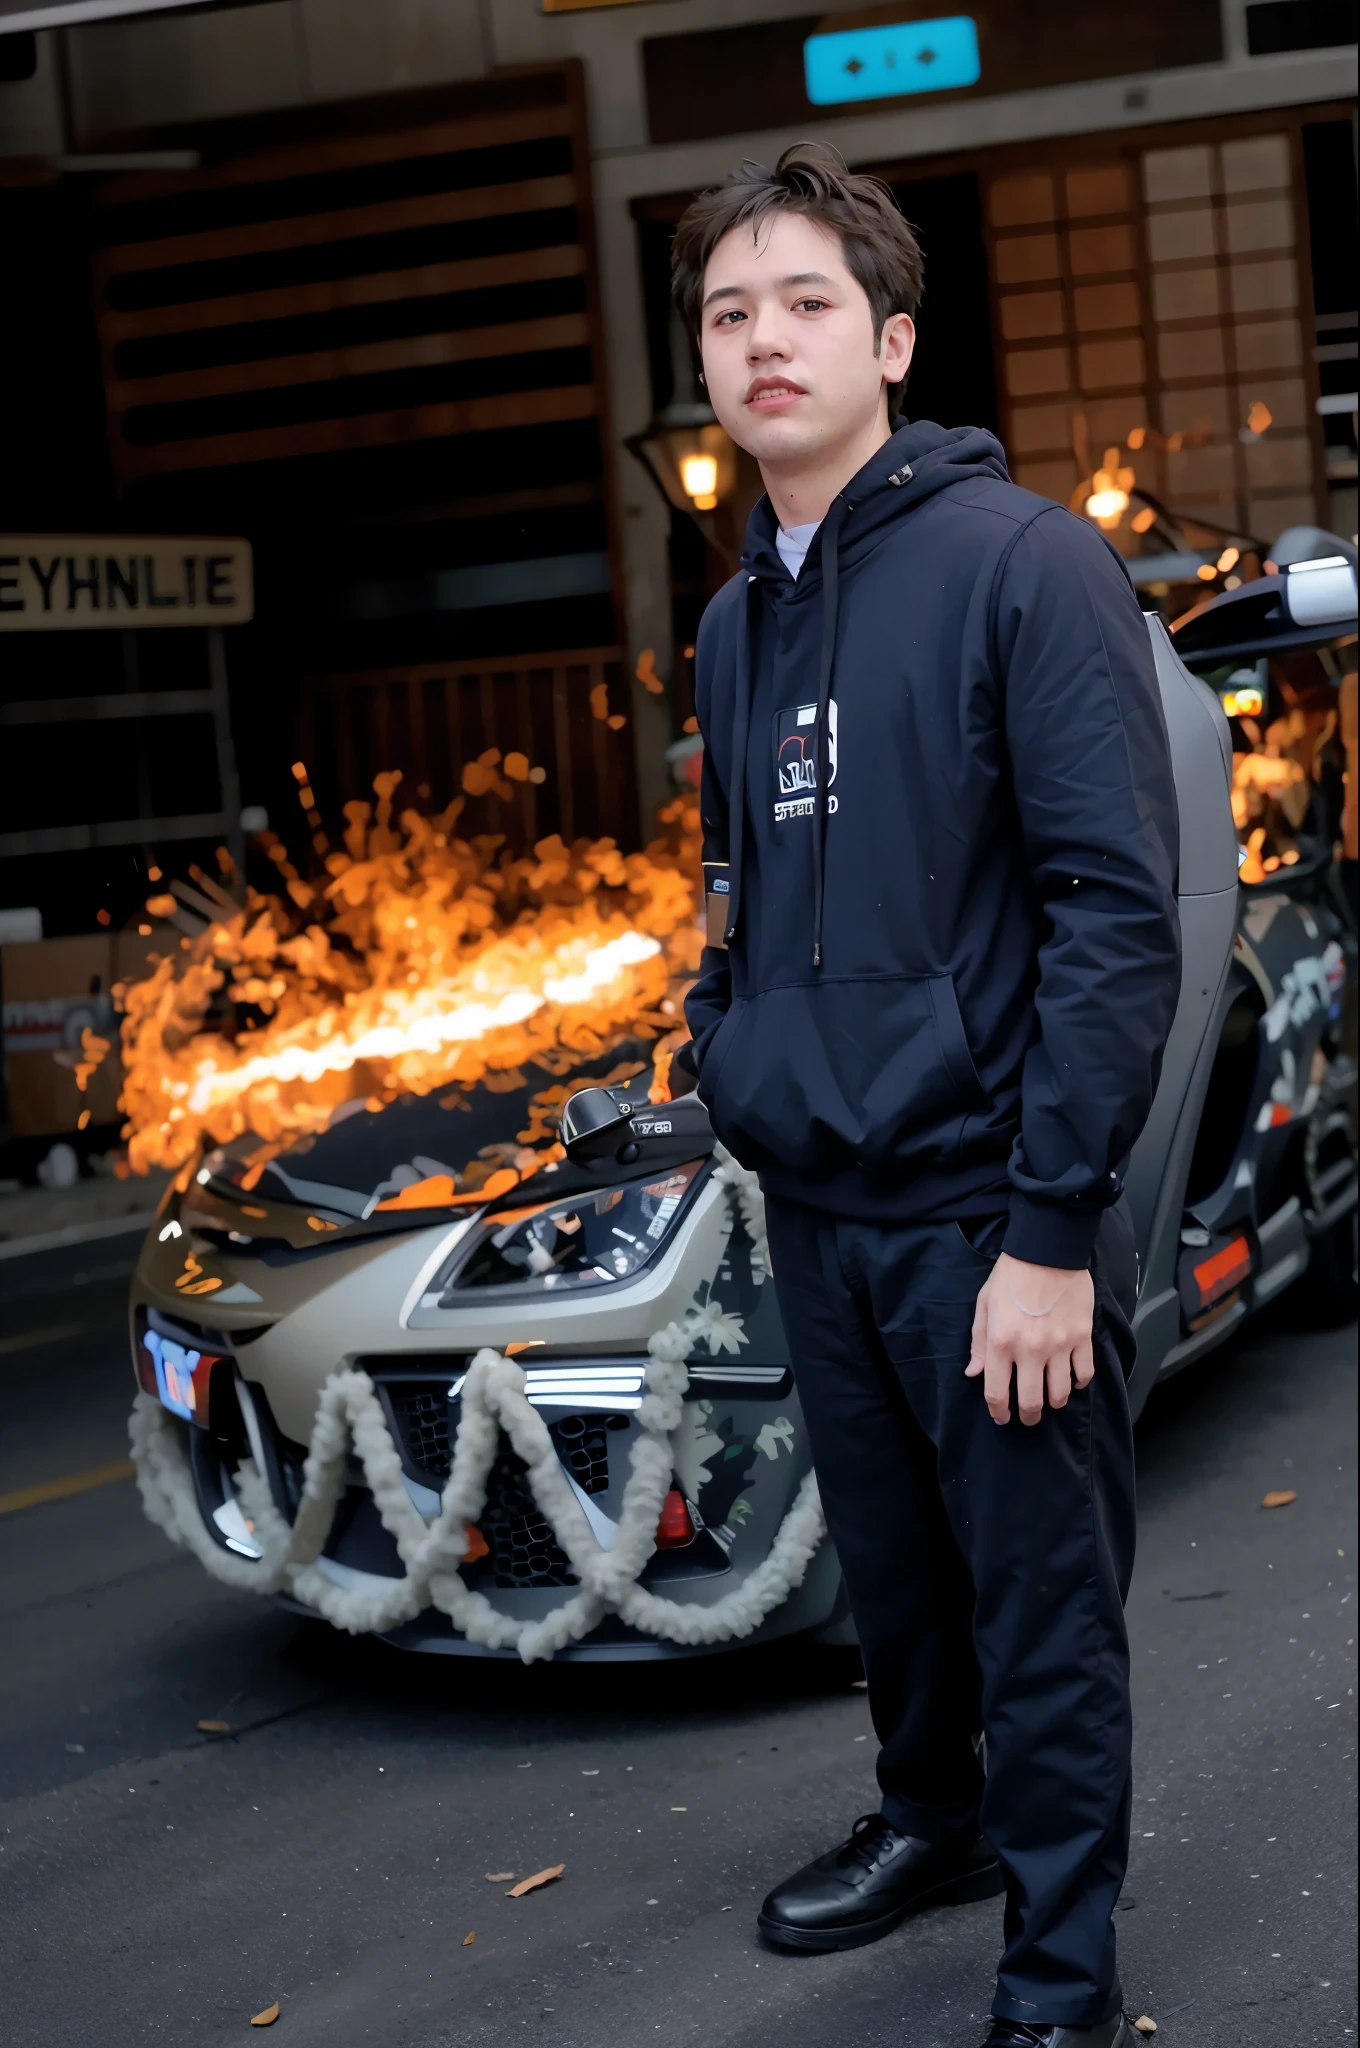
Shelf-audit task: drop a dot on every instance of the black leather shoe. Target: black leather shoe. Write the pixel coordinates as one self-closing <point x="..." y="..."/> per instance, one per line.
<point x="1115" y="2033"/>
<point x="863" y="1889"/>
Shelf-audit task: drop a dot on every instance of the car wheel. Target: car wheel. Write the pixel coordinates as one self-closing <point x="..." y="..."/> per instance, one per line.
<point x="1333" y="1282"/>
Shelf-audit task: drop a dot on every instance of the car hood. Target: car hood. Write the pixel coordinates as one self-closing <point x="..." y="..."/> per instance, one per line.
<point x="405" y="1165"/>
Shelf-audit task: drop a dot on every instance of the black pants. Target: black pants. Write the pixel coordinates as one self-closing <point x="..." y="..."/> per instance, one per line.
<point x="987" y="1569"/>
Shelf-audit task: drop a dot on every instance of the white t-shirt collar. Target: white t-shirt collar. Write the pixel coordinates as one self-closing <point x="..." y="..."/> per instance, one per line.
<point x="793" y="543"/>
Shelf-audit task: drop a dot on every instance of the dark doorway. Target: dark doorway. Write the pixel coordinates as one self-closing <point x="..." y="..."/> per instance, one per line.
<point x="953" y="375"/>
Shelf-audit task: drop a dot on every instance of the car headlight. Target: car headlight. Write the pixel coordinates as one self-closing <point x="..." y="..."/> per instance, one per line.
<point x="594" y="1239"/>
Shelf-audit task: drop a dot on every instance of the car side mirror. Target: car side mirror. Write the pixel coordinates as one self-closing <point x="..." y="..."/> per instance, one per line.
<point x="1320" y="592"/>
<point x="596" y="1125"/>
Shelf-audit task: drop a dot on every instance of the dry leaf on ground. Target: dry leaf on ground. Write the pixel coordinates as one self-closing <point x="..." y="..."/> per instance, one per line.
<point x="499" y="1876"/>
<point x="214" y="1728"/>
<point x="468" y="1939"/>
<point x="267" y="2017"/>
<point x="1278" y="1500"/>
<point x="1145" y="2026"/>
<point x="531" y="1884"/>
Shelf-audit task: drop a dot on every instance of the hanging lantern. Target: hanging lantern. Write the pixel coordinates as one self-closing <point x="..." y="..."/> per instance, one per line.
<point x="685" y="452"/>
<point x="690" y="460"/>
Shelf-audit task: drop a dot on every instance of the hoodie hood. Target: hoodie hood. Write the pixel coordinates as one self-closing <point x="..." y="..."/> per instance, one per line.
<point x="919" y="460"/>
<point x="915" y="464"/>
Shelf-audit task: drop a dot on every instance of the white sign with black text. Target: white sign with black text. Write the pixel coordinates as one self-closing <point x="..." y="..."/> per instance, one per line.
<point x="74" y="582"/>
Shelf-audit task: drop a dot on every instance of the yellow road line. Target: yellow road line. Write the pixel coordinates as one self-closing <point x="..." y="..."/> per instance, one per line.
<point x="29" y="1340"/>
<point x="58" y="1489"/>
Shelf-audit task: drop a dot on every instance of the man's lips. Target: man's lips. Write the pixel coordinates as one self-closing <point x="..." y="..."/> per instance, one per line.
<point x="773" y="394"/>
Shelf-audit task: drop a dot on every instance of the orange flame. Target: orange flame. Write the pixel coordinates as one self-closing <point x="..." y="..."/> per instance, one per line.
<point x="428" y="961"/>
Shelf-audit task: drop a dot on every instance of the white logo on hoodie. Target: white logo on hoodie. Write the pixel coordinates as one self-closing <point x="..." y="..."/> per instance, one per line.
<point x="795" y="760"/>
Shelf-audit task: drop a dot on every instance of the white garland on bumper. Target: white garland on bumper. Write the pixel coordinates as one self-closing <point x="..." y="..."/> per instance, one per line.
<point x="349" y="1417"/>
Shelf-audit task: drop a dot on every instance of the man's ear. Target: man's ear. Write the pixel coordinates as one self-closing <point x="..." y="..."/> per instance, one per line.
<point x="896" y="345"/>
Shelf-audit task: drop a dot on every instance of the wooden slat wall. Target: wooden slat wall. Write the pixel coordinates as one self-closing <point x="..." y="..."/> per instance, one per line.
<point x="284" y="328"/>
<point x="431" y="281"/>
<point x="369" y="430"/>
<point x="432" y="718"/>
<point x="344" y="152"/>
<point x="171" y="273"/>
<point x="410" y="352"/>
<point x="530" y="195"/>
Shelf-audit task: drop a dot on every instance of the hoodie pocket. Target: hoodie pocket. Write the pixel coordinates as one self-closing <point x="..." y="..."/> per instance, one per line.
<point x="954" y="1049"/>
<point x="872" y="1071"/>
<point x="715" y="1054"/>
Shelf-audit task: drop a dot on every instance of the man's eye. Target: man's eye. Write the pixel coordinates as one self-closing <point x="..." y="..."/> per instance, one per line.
<point x="730" y="317"/>
<point x="811" y="305"/>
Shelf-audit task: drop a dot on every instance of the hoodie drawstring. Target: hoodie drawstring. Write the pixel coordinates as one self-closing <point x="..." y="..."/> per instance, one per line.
<point x="741" y="730"/>
<point x="831" y="528"/>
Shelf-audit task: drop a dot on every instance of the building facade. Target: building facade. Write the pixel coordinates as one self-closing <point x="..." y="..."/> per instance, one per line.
<point x="383" y="289"/>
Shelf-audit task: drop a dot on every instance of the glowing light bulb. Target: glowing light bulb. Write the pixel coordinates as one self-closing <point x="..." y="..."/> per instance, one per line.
<point x="699" y="476"/>
<point x="1108" y="501"/>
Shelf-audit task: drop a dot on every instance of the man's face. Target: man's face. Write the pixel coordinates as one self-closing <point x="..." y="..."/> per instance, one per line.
<point x="792" y="365"/>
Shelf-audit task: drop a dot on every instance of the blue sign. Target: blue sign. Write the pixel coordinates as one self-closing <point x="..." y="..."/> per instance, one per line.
<point x="898" y="57"/>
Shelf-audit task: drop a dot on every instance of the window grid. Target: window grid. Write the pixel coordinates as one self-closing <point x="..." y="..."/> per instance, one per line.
<point x="1162" y="290"/>
<point x="1225" y="289"/>
<point x="1067" y="239"/>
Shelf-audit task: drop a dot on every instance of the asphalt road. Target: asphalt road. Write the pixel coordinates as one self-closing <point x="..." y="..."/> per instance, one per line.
<point x="160" y="1886"/>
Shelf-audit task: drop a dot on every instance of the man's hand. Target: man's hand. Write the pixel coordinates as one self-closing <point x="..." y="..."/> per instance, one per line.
<point x="1037" y="1319"/>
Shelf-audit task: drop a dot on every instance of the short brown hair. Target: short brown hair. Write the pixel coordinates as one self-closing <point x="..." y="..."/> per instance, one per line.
<point x="811" y="178"/>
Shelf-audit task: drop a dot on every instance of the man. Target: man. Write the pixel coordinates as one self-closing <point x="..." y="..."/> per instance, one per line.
<point x="940" y="847"/>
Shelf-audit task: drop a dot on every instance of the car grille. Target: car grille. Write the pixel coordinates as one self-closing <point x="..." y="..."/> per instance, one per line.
<point x="583" y="1446"/>
<point x="524" y="1551"/>
<point x="422" y="1418"/>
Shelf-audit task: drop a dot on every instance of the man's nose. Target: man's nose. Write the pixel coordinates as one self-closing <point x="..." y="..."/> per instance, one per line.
<point x="766" y="337"/>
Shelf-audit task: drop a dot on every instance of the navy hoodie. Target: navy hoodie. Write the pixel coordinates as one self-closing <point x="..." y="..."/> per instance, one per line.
<point x="940" y="854"/>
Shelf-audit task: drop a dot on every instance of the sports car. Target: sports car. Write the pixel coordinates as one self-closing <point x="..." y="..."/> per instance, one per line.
<point x="363" y="1265"/>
